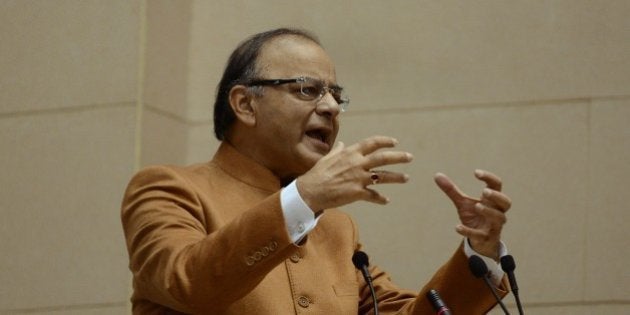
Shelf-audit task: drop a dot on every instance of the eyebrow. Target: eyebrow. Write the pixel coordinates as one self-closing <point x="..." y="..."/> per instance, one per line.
<point x="334" y="86"/>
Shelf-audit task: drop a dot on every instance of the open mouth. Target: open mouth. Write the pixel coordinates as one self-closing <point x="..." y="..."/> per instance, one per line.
<point x="320" y="137"/>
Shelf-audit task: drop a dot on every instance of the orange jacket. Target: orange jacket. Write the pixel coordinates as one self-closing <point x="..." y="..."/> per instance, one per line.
<point x="211" y="239"/>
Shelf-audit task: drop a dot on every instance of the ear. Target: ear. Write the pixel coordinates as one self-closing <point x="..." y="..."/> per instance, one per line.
<point x="241" y="103"/>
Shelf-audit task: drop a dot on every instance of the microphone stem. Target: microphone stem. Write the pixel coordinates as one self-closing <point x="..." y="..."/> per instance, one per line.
<point x="496" y="296"/>
<point x="374" y="298"/>
<point x="518" y="302"/>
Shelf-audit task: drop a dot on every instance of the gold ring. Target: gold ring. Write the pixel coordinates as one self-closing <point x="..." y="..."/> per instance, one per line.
<point x="374" y="177"/>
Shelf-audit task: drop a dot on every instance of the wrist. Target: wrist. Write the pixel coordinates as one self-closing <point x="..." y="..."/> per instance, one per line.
<point x="487" y="248"/>
<point x="305" y="194"/>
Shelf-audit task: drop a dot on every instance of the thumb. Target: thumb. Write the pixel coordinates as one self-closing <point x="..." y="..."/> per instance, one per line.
<point x="337" y="148"/>
<point x="448" y="187"/>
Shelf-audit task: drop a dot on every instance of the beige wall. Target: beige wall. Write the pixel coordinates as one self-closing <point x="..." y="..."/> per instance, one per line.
<point x="68" y="93"/>
<point x="538" y="91"/>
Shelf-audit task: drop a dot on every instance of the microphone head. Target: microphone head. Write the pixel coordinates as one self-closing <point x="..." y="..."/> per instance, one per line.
<point x="360" y="259"/>
<point x="507" y="263"/>
<point x="477" y="266"/>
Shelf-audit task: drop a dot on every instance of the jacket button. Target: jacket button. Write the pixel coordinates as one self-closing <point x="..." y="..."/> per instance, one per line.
<point x="303" y="301"/>
<point x="273" y="245"/>
<point x="295" y="258"/>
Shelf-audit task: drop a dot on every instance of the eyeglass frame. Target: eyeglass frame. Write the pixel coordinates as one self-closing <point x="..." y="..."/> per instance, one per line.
<point x="343" y="101"/>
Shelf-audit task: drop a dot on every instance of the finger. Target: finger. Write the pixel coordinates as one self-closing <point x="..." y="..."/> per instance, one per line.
<point x="371" y="144"/>
<point x="386" y="177"/>
<point x="491" y="229"/>
<point x="383" y="158"/>
<point x="482" y="241"/>
<point x="496" y="199"/>
<point x="494" y="216"/>
<point x="449" y="188"/>
<point x="492" y="181"/>
<point x="375" y="197"/>
<point x="470" y="232"/>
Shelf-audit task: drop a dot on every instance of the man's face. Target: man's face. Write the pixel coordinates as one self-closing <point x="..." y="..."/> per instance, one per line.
<point x="293" y="133"/>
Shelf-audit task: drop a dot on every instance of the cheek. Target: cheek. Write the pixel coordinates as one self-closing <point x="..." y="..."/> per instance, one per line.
<point x="286" y="129"/>
<point x="291" y="121"/>
<point x="283" y="119"/>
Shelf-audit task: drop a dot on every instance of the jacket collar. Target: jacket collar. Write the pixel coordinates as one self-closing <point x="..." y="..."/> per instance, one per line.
<point x="245" y="169"/>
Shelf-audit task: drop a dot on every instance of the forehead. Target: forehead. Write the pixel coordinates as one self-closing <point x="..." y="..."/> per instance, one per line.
<point x="292" y="56"/>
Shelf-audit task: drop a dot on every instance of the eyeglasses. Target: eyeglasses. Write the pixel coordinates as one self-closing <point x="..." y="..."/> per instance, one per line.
<point x="309" y="89"/>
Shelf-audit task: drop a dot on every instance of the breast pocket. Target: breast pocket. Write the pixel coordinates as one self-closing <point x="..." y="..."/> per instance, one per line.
<point x="346" y="288"/>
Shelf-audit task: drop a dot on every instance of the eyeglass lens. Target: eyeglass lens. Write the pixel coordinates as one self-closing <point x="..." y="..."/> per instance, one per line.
<point x="314" y="89"/>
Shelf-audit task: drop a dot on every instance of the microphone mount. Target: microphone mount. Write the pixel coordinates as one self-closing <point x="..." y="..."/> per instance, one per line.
<point x="361" y="261"/>
<point x="480" y="270"/>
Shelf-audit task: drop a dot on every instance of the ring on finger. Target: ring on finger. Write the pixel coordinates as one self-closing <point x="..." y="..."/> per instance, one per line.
<point x="374" y="177"/>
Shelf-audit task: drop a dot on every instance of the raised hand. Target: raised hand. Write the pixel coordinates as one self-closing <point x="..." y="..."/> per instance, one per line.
<point x="344" y="174"/>
<point x="481" y="219"/>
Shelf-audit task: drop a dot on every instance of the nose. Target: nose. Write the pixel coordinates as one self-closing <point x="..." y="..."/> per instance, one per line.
<point x="327" y="105"/>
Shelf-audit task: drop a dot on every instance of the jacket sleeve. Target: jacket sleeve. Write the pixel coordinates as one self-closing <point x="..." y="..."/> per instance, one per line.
<point x="461" y="291"/>
<point x="176" y="263"/>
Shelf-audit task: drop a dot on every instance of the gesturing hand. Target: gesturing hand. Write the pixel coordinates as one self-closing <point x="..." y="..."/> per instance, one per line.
<point x="481" y="219"/>
<point x="342" y="176"/>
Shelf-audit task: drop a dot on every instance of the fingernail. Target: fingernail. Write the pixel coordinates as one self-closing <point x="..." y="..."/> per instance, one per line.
<point x="479" y="206"/>
<point x="409" y="156"/>
<point x="406" y="178"/>
<point x="478" y="173"/>
<point x="487" y="192"/>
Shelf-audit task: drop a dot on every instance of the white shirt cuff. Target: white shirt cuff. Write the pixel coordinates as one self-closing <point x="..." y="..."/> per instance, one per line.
<point x="496" y="273"/>
<point x="298" y="216"/>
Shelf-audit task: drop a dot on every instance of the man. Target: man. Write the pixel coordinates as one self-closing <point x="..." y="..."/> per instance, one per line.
<point x="256" y="229"/>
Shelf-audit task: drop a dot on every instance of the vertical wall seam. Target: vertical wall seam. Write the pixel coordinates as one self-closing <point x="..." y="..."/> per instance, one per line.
<point x="142" y="42"/>
<point x="589" y="174"/>
<point x="189" y="65"/>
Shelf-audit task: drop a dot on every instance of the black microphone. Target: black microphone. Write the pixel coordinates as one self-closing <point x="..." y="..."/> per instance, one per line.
<point x="438" y="304"/>
<point x="508" y="265"/>
<point x="361" y="262"/>
<point x="480" y="270"/>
